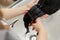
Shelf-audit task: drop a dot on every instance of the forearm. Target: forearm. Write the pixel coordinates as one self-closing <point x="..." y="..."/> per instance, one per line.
<point x="40" y="28"/>
<point x="42" y="35"/>
<point x="12" y="12"/>
<point x="8" y="13"/>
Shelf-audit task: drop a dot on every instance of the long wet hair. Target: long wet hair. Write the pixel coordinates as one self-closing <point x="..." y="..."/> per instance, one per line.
<point x="42" y="7"/>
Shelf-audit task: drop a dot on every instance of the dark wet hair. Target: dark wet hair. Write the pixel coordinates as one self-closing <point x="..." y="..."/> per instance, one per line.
<point x="42" y="7"/>
<point x="51" y="6"/>
<point x="31" y="16"/>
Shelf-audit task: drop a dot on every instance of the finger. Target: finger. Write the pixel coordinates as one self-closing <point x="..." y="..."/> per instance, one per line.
<point x="31" y="3"/>
<point x="34" y="1"/>
<point x="38" y="20"/>
<point x="44" y="16"/>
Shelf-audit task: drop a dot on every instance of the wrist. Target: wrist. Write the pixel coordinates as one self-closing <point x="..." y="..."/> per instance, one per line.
<point x="41" y="29"/>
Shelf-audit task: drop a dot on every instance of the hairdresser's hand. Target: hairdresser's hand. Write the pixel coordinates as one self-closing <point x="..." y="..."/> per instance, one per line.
<point x="38" y="26"/>
<point x="31" y="4"/>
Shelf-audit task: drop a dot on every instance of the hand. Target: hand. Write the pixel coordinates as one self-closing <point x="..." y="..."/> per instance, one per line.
<point x="31" y="4"/>
<point x="38" y="26"/>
